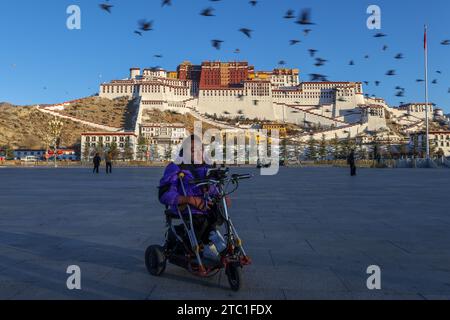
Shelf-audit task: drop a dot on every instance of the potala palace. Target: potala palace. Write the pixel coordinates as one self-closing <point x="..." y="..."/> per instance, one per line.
<point x="230" y="89"/>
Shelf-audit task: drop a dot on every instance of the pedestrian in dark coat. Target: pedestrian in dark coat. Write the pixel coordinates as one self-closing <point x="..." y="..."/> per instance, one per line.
<point x="108" y="160"/>
<point x="351" y="161"/>
<point x="97" y="160"/>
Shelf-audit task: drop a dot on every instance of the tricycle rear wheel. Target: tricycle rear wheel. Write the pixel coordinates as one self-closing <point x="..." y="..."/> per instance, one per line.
<point x="155" y="260"/>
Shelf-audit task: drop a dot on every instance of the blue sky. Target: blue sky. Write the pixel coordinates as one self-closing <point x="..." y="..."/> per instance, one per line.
<point x="41" y="61"/>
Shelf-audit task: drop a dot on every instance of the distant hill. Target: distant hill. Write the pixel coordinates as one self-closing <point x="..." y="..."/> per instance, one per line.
<point x="20" y="127"/>
<point x="114" y="113"/>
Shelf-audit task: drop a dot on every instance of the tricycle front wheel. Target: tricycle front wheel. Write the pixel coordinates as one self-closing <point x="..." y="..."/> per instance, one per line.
<point x="234" y="275"/>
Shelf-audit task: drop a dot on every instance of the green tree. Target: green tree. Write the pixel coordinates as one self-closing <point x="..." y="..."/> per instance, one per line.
<point x="168" y="152"/>
<point x="344" y="148"/>
<point x="415" y="147"/>
<point x="389" y="148"/>
<point x="100" y="149"/>
<point x="403" y="150"/>
<point x="423" y="147"/>
<point x="128" y="151"/>
<point x="86" y="152"/>
<point x="9" y="152"/>
<point x="335" y="147"/>
<point x="323" y="148"/>
<point x="433" y="148"/>
<point x="154" y="153"/>
<point x="142" y="148"/>
<point x="362" y="151"/>
<point x="311" y="153"/>
<point x="114" y="151"/>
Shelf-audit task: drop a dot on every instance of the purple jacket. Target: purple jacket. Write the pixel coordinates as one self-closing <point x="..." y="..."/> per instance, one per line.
<point x="170" y="178"/>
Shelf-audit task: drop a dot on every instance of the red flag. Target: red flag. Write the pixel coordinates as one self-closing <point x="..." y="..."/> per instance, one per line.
<point x="425" y="39"/>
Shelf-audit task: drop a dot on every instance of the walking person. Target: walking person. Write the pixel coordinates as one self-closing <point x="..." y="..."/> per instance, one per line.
<point x="351" y="161"/>
<point x="97" y="160"/>
<point x="108" y="160"/>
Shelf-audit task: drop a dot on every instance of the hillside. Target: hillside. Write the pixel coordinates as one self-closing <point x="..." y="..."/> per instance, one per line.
<point x="158" y="116"/>
<point x="114" y="113"/>
<point x="21" y="127"/>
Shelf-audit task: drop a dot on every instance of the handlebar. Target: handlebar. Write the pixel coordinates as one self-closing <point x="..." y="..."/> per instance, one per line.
<point x="241" y="176"/>
<point x="234" y="177"/>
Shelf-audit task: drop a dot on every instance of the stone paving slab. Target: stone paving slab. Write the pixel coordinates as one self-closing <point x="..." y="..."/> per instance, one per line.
<point x="311" y="232"/>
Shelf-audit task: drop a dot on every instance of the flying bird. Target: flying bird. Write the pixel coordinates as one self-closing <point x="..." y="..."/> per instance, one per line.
<point x="390" y="73"/>
<point x="166" y="3"/>
<point x="289" y="14"/>
<point x="158" y="56"/>
<point x="106" y="7"/>
<point x="305" y="17"/>
<point x="293" y="42"/>
<point x="445" y="42"/>
<point x="145" y="25"/>
<point x="216" y="43"/>
<point x="351" y="63"/>
<point x="312" y="52"/>
<point x="253" y="3"/>
<point x="379" y="35"/>
<point x="434" y="81"/>
<point x="399" y="56"/>
<point x="320" y="62"/>
<point x="377" y="83"/>
<point x="306" y="32"/>
<point x="385" y="47"/>
<point x="208" y="12"/>
<point x="138" y="33"/>
<point x="247" y="32"/>
<point x="318" y="77"/>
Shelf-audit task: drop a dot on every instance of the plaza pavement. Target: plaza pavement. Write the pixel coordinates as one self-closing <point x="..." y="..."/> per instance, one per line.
<point x="311" y="232"/>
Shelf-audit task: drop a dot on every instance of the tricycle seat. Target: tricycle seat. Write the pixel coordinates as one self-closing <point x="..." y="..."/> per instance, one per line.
<point x="171" y="214"/>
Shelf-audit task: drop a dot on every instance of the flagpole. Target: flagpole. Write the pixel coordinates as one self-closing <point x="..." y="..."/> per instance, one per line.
<point x="426" y="94"/>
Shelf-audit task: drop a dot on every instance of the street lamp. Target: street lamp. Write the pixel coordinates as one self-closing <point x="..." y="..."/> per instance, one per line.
<point x="55" y="128"/>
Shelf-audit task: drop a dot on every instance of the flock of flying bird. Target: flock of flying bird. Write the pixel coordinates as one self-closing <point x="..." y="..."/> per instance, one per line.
<point x="303" y="19"/>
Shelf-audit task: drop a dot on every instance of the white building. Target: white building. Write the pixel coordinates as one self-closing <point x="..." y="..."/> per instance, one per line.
<point x="163" y="138"/>
<point x="91" y="142"/>
<point x="285" y="78"/>
<point x="173" y="133"/>
<point x="438" y="140"/>
<point x="418" y="109"/>
<point x="339" y="107"/>
<point x="374" y="116"/>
